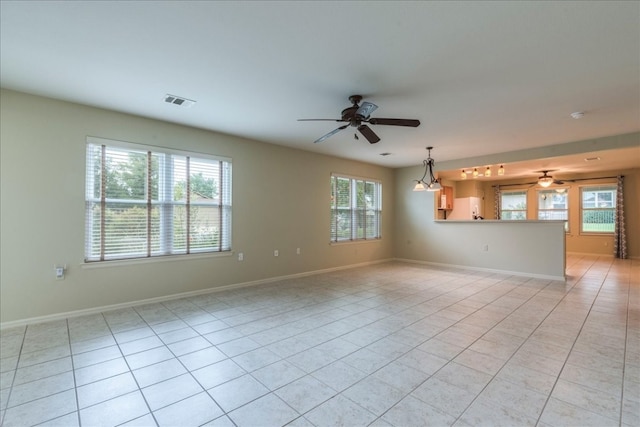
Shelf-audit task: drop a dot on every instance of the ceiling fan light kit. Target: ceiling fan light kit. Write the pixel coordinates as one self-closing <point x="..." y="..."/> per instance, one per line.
<point x="358" y="115"/>
<point x="545" y="180"/>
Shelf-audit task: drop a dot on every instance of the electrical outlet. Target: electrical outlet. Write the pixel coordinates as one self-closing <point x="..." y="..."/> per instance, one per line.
<point x="59" y="271"/>
<point x="240" y="256"/>
<point x="276" y="253"/>
<point x="297" y="251"/>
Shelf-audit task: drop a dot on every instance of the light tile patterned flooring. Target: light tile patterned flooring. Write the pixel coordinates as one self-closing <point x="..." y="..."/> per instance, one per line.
<point x="391" y="344"/>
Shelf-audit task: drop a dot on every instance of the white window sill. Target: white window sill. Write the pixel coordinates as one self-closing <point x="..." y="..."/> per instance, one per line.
<point x="155" y="259"/>
<point x="354" y="242"/>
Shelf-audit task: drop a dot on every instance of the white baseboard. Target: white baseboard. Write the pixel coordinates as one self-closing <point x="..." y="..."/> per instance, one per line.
<point x="96" y="310"/>
<point x="485" y="270"/>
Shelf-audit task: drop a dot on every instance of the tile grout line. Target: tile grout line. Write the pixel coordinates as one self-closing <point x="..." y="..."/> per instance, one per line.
<point x="292" y="307"/>
<point x="130" y="371"/>
<point x="73" y="370"/>
<point x="13" y="377"/>
<point x="574" y="341"/>
<point x="507" y="361"/>
<point x="626" y="337"/>
<point x="177" y="358"/>
<point x="466" y="348"/>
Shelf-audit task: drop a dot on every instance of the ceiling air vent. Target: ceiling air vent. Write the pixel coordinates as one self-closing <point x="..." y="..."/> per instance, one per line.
<point x="176" y="100"/>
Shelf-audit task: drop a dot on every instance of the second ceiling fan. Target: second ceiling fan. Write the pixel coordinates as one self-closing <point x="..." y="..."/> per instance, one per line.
<point x="546" y="180"/>
<point x="358" y="116"/>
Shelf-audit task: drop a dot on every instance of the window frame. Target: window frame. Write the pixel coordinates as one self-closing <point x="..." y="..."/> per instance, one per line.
<point x="608" y="187"/>
<point x="164" y="202"/>
<point x="526" y="205"/>
<point x="355" y="214"/>
<point x="553" y="192"/>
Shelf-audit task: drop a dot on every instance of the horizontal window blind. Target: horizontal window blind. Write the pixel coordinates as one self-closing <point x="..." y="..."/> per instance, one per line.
<point x="143" y="201"/>
<point x="554" y="205"/>
<point x="513" y="205"/>
<point x="356" y="208"/>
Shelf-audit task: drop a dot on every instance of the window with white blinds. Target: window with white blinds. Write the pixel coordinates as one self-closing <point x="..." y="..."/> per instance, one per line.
<point x="356" y="208"/>
<point x="513" y="205"/>
<point x="146" y="201"/>
<point x="554" y="205"/>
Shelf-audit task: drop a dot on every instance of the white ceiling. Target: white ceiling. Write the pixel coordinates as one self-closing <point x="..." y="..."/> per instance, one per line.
<point x="482" y="77"/>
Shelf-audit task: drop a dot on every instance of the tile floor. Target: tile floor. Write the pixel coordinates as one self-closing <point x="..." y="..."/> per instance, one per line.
<point x="389" y="345"/>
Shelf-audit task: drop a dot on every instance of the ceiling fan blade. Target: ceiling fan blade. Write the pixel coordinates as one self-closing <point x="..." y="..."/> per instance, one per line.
<point x="333" y="132"/>
<point x="369" y="134"/>
<point x="366" y="109"/>
<point x="320" y="120"/>
<point x="395" y="122"/>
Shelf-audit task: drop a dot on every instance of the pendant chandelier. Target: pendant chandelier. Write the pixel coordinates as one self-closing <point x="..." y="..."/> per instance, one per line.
<point x="432" y="184"/>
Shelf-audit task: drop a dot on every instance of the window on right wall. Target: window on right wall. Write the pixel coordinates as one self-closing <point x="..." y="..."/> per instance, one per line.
<point x="597" y="209"/>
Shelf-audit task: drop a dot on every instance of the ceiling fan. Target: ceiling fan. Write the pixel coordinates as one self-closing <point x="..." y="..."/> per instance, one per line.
<point x="546" y="180"/>
<point x="358" y="116"/>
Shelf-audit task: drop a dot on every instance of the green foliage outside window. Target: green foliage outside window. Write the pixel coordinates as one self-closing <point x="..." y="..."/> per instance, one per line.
<point x="138" y="218"/>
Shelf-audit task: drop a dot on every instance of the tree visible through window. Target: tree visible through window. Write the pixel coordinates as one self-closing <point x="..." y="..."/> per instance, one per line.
<point x="142" y="203"/>
<point x="356" y="208"/>
<point x="597" y="206"/>
<point x="513" y="205"/>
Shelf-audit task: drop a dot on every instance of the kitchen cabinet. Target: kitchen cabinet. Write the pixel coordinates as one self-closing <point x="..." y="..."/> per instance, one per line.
<point x="445" y="198"/>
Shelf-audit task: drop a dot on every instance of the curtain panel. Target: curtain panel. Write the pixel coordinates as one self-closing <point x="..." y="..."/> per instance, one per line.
<point x="620" y="235"/>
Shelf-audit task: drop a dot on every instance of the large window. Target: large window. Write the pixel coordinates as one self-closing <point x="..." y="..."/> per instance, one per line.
<point x="597" y="208"/>
<point x="146" y="201"/>
<point x="513" y="205"/>
<point x="356" y="208"/>
<point x="554" y="205"/>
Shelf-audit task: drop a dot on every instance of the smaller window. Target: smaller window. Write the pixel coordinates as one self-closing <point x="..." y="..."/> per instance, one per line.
<point x="554" y="205"/>
<point x="597" y="206"/>
<point x="356" y="208"/>
<point x="513" y="205"/>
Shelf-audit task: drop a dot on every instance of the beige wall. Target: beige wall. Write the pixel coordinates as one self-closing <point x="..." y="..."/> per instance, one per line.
<point x="280" y="201"/>
<point x="576" y="241"/>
